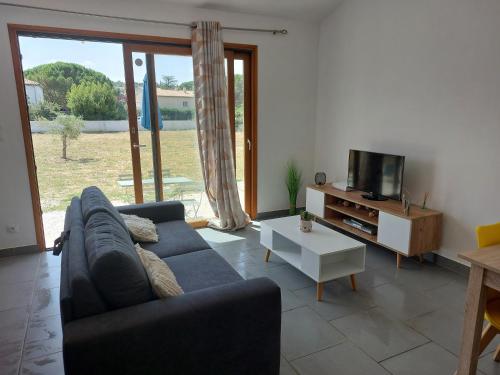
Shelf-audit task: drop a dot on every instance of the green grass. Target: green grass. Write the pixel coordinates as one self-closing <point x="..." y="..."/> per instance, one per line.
<point x="100" y="158"/>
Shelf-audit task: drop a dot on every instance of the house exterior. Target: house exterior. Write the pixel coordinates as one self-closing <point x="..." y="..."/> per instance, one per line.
<point x="34" y="91"/>
<point x="173" y="99"/>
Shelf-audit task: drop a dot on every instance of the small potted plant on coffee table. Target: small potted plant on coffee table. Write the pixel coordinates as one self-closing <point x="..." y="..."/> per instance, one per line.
<point x="305" y="222"/>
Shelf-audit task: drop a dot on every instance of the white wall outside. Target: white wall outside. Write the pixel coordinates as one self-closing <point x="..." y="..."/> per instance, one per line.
<point x="421" y="79"/>
<point x="34" y="93"/>
<point x="105" y="126"/>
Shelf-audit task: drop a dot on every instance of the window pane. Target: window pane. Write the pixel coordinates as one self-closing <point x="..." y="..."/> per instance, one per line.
<point x="239" y="123"/>
<point x="79" y="140"/>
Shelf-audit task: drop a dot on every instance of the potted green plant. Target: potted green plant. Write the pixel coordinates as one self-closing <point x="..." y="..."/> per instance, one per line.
<point x="293" y="184"/>
<point x="305" y="222"/>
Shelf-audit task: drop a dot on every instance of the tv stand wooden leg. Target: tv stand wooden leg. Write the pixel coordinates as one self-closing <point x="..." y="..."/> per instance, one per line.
<point x="398" y="260"/>
<point x="268" y="254"/>
<point x="319" y="291"/>
<point x="353" y="282"/>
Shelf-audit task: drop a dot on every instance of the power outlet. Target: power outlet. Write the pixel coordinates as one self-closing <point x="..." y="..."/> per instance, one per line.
<point x="13" y="228"/>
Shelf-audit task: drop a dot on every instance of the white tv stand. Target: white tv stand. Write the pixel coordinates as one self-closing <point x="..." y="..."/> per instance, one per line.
<point x="414" y="234"/>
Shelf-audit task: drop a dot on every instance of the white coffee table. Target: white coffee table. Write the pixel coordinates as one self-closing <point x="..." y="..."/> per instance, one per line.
<point x="322" y="254"/>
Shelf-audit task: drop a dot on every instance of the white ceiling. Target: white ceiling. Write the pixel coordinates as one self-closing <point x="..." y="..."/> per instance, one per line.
<point x="310" y="10"/>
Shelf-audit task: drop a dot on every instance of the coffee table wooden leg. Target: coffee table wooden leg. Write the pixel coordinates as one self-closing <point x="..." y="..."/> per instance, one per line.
<point x="353" y="282"/>
<point x="268" y="254"/>
<point x="473" y="322"/>
<point x="319" y="291"/>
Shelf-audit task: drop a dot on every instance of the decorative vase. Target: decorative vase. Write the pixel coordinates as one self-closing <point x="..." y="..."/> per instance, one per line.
<point x="293" y="209"/>
<point x="306" y="225"/>
<point x="320" y="178"/>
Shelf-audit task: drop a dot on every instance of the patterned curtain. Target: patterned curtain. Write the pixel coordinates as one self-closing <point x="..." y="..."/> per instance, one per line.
<point x="214" y="133"/>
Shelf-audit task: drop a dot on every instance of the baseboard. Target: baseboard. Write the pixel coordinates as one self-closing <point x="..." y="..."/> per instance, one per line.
<point x="8" y="252"/>
<point x="448" y="264"/>
<point x="275" y="214"/>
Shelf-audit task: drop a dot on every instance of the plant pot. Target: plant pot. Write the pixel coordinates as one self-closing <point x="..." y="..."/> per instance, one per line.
<point x="306" y="225"/>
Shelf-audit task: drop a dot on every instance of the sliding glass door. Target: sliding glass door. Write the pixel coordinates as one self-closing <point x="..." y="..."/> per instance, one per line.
<point x="163" y="125"/>
<point x="165" y="153"/>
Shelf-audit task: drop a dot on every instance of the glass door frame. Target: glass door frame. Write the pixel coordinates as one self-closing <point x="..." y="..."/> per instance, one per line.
<point x="16" y="30"/>
<point x="149" y="50"/>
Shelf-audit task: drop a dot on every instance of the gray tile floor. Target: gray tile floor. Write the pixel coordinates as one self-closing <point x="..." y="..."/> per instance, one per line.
<point x="399" y="322"/>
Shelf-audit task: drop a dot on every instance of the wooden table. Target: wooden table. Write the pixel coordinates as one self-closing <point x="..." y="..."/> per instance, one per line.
<point x="484" y="272"/>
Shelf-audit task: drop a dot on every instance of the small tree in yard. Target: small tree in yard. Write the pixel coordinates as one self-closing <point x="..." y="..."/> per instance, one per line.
<point x="67" y="127"/>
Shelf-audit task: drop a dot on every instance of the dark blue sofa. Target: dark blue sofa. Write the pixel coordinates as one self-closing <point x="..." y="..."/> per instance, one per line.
<point x="112" y="323"/>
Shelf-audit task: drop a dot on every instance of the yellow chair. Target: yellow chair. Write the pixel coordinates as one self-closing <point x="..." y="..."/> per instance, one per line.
<point x="489" y="235"/>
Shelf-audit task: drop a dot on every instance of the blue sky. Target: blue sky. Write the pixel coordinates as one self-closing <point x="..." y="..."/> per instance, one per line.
<point x="106" y="58"/>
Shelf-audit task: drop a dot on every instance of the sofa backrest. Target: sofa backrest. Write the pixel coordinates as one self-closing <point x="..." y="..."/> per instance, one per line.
<point x="114" y="265"/>
<point x="94" y="200"/>
<point x="78" y="295"/>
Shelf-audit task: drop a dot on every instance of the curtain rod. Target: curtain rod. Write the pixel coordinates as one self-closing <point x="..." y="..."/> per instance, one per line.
<point x="191" y="25"/>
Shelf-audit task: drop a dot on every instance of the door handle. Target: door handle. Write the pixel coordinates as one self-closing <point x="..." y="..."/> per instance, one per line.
<point x="135" y="145"/>
<point x="249" y="143"/>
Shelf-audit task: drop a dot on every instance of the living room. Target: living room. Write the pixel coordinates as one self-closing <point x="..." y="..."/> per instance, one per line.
<point x="323" y="80"/>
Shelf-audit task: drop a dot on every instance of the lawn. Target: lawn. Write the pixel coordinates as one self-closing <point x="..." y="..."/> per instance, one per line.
<point x="102" y="159"/>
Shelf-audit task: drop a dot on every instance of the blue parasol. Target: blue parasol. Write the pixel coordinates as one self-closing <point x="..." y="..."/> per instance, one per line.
<point x="146" y="115"/>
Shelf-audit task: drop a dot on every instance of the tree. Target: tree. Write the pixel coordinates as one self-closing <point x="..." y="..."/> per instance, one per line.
<point x="168" y="82"/>
<point x="67" y="127"/>
<point x="187" y="86"/>
<point x="57" y="79"/>
<point x="44" y="111"/>
<point x="95" y="101"/>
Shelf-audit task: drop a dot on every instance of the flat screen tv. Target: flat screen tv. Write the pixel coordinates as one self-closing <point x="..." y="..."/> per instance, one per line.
<point x="380" y="175"/>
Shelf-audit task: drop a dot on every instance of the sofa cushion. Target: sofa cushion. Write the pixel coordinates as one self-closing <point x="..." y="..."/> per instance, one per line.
<point x="201" y="269"/>
<point x="176" y="237"/>
<point x="141" y="229"/>
<point x="114" y="265"/>
<point x="94" y="200"/>
<point x="161" y="277"/>
<point x="79" y="297"/>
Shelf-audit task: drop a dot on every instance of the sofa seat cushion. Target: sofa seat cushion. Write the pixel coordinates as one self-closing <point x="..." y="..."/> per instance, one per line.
<point x="114" y="266"/>
<point x="94" y="200"/>
<point x="201" y="269"/>
<point x="175" y="237"/>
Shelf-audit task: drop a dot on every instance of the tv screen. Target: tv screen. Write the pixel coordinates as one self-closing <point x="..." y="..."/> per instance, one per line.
<point x="381" y="175"/>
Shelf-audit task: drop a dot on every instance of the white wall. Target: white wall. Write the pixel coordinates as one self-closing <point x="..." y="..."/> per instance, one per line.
<point x="287" y="88"/>
<point x="422" y="79"/>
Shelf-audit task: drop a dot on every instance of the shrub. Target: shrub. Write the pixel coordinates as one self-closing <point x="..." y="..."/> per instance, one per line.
<point x="44" y="111"/>
<point x="176" y="114"/>
<point x="95" y="101"/>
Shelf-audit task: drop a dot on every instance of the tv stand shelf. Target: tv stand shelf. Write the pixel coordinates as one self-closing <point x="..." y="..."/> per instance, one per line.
<point x="350" y="211"/>
<point x="414" y="234"/>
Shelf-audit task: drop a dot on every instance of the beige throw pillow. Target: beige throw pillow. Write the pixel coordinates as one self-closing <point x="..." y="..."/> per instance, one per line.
<point x="141" y="229"/>
<point x="160" y="275"/>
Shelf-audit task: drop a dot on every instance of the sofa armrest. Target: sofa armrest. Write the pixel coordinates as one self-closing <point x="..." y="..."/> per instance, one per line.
<point x="156" y="211"/>
<point x="229" y="329"/>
